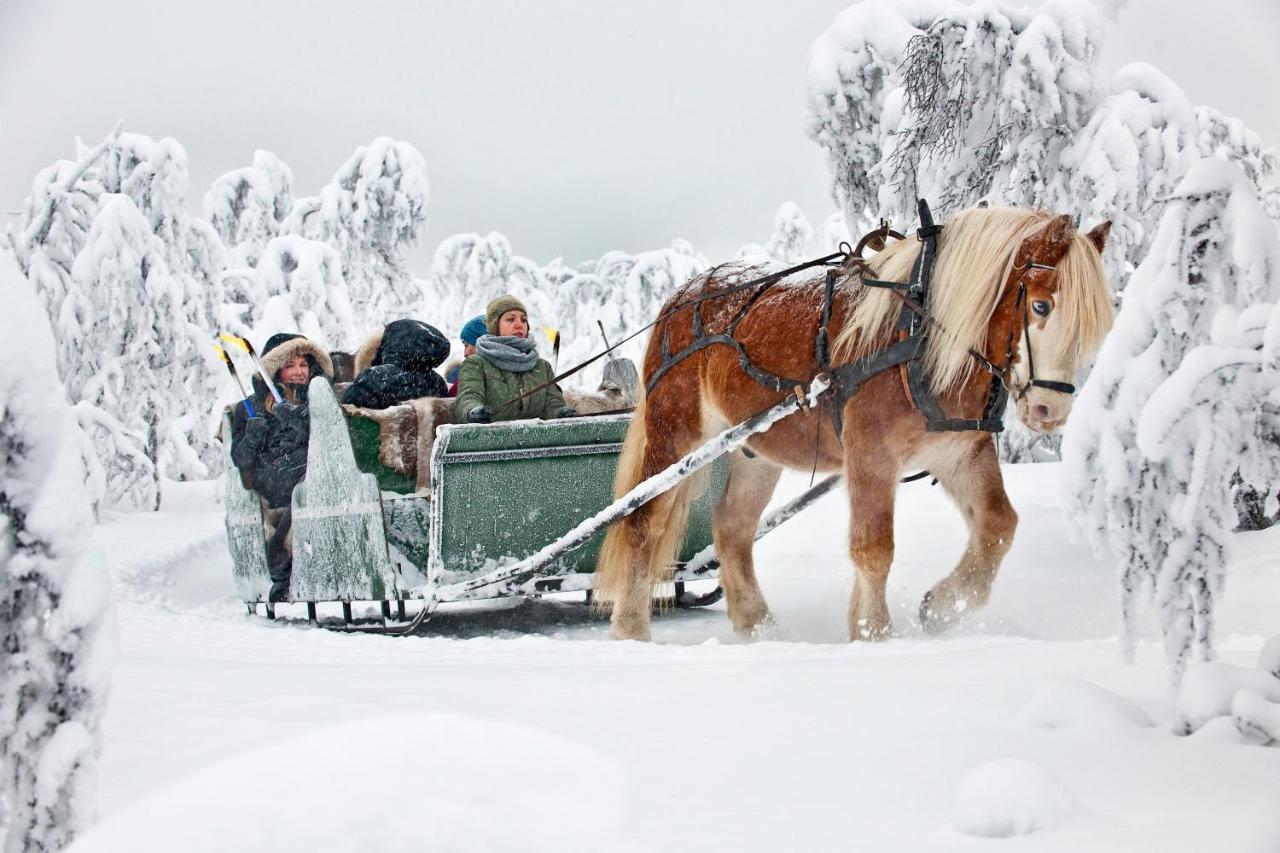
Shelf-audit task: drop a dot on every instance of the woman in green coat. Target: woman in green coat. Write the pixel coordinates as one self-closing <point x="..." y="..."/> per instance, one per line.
<point x="506" y="366"/>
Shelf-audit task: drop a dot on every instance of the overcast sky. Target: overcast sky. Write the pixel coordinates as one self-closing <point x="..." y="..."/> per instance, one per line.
<point x="571" y="127"/>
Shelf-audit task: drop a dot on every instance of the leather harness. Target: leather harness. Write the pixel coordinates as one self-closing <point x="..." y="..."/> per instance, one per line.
<point x="906" y="353"/>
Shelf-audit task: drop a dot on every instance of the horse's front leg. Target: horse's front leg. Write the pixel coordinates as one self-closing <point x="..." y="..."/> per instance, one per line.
<point x="734" y="522"/>
<point x="871" y="495"/>
<point x="975" y="484"/>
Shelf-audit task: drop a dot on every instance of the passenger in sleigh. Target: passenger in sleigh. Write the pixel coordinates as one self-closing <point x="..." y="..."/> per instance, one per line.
<point x="398" y="364"/>
<point x="506" y="366"/>
<point x="471" y="332"/>
<point x="270" y="448"/>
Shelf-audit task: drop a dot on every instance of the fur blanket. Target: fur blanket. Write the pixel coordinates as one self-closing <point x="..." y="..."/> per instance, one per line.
<point x="407" y="431"/>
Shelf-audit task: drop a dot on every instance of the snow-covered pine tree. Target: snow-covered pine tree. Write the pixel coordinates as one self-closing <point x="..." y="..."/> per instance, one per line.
<point x="306" y="276"/>
<point x="654" y="276"/>
<point x="56" y="218"/>
<point x="789" y="243"/>
<point x="470" y="270"/>
<point x="637" y="285"/>
<point x="246" y="206"/>
<point x="1168" y="415"/>
<point x="133" y="366"/>
<point x="56" y="624"/>
<point x="59" y="215"/>
<point x="372" y="212"/>
<point x="154" y="174"/>
<point x="1137" y="146"/>
<point x="832" y="232"/>
<point x="955" y="102"/>
<point x="948" y="101"/>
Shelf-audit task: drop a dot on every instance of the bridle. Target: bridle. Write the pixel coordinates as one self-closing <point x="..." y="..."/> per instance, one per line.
<point x="1006" y="373"/>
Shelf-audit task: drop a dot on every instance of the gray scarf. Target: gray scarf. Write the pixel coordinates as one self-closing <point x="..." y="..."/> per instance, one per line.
<point x="516" y="355"/>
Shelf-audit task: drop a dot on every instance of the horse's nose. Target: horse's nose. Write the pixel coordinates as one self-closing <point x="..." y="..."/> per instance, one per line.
<point x="1040" y="412"/>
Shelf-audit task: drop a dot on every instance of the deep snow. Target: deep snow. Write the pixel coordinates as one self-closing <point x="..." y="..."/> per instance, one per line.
<point x="698" y="741"/>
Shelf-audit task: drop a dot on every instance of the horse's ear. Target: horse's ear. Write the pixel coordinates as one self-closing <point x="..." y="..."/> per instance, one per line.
<point x="1058" y="230"/>
<point x="1098" y="236"/>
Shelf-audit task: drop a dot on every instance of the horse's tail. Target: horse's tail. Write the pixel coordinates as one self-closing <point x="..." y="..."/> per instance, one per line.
<point x="658" y="526"/>
<point x="615" y="552"/>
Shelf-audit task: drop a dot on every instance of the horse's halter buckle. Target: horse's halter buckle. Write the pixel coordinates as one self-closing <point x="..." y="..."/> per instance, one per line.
<point x="1007" y="378"/>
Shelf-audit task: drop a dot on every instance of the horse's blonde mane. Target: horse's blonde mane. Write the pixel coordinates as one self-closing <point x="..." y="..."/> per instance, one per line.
<point x="975" y="255"/>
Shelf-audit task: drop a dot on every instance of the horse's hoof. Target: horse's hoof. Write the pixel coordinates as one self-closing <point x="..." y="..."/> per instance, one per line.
<point x="864" y="631"/>
<point x="753" y="623"/>
<point x="936" y="617"/>
<point x="630" y="632"/>
<point x="766" y="629"/>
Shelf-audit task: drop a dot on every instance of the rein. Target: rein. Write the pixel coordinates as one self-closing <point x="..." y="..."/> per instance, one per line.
<point x="914" y="324"/>
<point x="765" y="280"/>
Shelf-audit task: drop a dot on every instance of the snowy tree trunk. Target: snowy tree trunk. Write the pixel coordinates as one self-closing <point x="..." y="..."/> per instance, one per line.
<point x="56" y="623"/>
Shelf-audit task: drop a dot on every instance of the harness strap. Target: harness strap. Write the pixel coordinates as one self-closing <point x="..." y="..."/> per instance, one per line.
<point x="915" y="322"/>
<point x="825" y="260"/>
<point x="847" y="379"/>
<point x="701" y="339"/>
<point x="1052" y="385"/>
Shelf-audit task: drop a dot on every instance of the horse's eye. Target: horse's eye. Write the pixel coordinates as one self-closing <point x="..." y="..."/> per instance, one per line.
<point x="1041" y="308"/>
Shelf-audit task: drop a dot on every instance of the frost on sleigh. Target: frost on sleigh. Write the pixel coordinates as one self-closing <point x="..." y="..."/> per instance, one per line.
<point x="399" y="505"/>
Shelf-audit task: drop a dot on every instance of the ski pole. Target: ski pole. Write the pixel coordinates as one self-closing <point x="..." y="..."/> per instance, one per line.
<point x="226" y="359"/>
<point x="244" y="344"/>
<point x="608" y="349"/>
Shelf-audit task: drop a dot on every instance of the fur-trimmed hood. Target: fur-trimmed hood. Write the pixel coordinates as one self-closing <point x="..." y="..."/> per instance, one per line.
<point x="409" y="344"/>
<point x="367" y="353"/>
<point x="278" y="356"/>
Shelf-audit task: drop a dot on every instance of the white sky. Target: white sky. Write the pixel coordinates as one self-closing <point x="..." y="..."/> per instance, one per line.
<point x="571" y="127"/>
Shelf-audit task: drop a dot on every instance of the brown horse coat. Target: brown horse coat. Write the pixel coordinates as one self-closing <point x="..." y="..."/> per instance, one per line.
<point x="984" y="257"/>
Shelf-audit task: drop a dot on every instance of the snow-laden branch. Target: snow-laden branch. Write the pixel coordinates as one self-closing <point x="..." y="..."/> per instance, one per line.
<point x="38" y="230"/>
<point x="1197" y="383"/>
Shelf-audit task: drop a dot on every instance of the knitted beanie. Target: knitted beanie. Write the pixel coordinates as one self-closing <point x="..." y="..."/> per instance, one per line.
<point x="497" y="308"/>
<point x="472" y="331"/>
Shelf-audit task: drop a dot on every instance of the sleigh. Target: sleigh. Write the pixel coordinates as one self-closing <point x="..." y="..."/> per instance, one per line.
<point x="402" y="511"/>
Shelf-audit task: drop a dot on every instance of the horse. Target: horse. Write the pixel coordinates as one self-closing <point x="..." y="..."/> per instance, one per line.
<point x="1006" y="282"/>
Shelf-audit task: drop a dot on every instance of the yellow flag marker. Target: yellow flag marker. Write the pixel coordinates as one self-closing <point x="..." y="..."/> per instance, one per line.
<point x="553" y="335"/>
<point x="243" y="343"/>
<point x="226" y="359"/>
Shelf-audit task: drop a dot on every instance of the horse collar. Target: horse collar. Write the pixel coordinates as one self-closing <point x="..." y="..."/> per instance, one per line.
<point x="907" y="353"/>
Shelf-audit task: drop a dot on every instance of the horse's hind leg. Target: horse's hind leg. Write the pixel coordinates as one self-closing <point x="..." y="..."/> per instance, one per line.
<point x="975" y="484"/>
<point x="649" y="531"/>
<point x="734" y="522"/>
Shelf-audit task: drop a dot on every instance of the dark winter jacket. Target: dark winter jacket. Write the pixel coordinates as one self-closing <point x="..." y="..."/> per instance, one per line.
<point x="270" y="449"/>
<point x="397" y="364"/>
<point x="481" y="383"/>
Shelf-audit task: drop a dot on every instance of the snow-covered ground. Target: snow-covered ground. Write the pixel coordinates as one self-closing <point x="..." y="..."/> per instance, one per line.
<point x="526" y="729"/>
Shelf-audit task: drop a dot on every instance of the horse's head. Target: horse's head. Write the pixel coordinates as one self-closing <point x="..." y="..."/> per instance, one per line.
<point x="1058" y="309"/>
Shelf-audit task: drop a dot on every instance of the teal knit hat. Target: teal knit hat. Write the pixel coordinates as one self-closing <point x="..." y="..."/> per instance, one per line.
<point x="472" y="331"/>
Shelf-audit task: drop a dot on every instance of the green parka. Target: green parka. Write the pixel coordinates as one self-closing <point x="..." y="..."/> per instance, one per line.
<point x="481" y="383"/>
